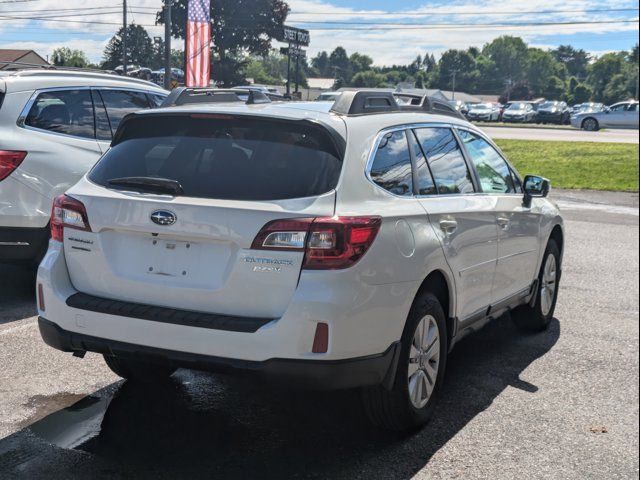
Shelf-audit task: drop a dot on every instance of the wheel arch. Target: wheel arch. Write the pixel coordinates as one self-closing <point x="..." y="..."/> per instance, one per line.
<point x="439" y="284"/>
<point x="557" y="235"/>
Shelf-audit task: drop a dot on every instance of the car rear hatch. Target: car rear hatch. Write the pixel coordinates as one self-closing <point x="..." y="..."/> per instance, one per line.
<point x="190" y="247"/>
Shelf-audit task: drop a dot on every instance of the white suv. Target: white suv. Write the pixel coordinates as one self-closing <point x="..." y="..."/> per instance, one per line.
<point x="54" y="126"/>
<point x="339" y="248"/>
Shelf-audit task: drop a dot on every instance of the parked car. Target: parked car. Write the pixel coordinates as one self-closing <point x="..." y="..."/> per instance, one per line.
<point x="291" y="241"/>
<point x="519" y="112"/>
<point x="587" y="107"/>
<point x="502" y="109"/>
<point x="619" y="115"/>
<point x="554" y="111"/>
<point x="54" y="125"/>
<point x="142" y="72"/>
<point x="328" y="97"/>
<point x="177" y="75"/>
<point x="488" y="112"/>
<point x="460" y="106"/>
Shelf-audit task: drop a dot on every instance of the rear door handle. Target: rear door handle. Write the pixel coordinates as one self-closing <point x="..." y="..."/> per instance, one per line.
<point x="448" y="226"/>
<point x="503" y="222"/>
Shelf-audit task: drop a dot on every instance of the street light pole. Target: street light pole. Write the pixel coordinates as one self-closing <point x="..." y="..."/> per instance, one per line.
<point x="453" y="74"/>
<point x="167" y="44"/>
<point x="124" y="37"/>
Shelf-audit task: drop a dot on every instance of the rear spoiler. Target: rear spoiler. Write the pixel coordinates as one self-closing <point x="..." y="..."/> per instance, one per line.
<point x="190" y="96"/>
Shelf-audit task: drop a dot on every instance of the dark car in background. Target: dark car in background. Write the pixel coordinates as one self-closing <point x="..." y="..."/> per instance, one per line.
<point x="554" y="111"/>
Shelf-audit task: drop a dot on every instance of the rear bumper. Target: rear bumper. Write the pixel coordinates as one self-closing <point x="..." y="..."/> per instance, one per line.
<point x="22" y="244"/>
<point x="315" y="374"/>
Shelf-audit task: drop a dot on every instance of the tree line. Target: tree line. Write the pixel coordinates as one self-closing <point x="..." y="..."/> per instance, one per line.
<point x="506" y="66"/>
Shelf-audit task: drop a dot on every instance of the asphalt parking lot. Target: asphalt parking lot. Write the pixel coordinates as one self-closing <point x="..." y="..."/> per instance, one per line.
<point x="562" y="404"/>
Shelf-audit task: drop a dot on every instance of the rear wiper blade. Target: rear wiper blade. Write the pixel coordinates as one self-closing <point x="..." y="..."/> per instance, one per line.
<point x="149" y="184"/>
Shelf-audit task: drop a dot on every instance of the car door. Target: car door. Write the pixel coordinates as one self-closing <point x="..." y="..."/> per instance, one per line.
<point x="631" y="116"/>
<point x="518" y="225"/>
<point x="615" y="116"/>
<point x="61" y="143"/>
<point x="464" y="221"/>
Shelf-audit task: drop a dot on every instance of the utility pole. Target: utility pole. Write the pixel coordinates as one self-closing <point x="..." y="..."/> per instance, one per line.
<point x="167" y="44"/>
<point x="289" y="70"/>
<point x="453" y="75"/>
<point x="124" y="37"/>
<point x="508" y="83"/>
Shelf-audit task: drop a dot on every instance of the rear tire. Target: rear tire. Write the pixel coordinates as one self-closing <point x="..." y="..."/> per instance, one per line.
<point x="418" y="378"/>
<point x="538" y="316"/>
<point x="135" y="370"/>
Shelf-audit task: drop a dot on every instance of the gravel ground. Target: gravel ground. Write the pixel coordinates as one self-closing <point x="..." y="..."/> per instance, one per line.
<point x="562" y="404"/>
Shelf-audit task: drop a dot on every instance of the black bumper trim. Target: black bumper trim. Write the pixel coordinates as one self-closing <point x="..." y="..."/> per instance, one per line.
<point x="31" y="243"/>
<point x="316" y="374"/>
<point x="188" y="318"/>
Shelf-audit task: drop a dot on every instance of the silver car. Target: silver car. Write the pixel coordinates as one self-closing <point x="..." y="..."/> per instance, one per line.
<point x="618" y="115"/>
<point x="519" y="112"/>
<point x="333" y="246"/>
<point x="54" y="125"/>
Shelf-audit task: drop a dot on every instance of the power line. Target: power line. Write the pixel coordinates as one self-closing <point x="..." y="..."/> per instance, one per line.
<point x="495" y="12"/>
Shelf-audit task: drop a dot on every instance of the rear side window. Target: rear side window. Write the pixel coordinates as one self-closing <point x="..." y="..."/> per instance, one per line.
<point x="156" y="99"/>
<point x="445" y="159"/>
<point x="225" y="157"/>
<point x="121" y="102"/>
<point x="65" y="111"/>
<point x="391" y="168"/>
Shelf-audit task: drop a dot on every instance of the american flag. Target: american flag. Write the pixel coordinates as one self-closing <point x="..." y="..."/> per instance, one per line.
<point x="197" y="43"/>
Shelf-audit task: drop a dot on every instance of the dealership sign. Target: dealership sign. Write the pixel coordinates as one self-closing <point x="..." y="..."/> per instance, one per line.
<point x="295" y="36"/>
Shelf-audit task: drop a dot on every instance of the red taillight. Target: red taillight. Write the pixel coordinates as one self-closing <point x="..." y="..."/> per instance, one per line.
<point x="9" y="161"/>
<point x="321" y="339"/>
<point x="67" y="212"/>
<point x="328" y="243"/>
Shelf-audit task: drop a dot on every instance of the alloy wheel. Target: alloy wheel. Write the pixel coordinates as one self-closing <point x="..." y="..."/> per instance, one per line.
<point x="424" y="361"/>
<point x="548" y="287"/>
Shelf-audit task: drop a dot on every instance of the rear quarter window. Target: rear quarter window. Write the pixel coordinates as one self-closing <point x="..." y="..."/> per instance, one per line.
<point x="225" y="157"/>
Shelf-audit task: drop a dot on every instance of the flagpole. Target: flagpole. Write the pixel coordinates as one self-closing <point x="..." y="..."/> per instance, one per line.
<point x="167" y="44"/>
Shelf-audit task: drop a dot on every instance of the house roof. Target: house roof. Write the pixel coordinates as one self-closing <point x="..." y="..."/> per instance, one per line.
<point x="14" y="55"/>
<point x="321" y="83"/>
<point x="462" y="96"/>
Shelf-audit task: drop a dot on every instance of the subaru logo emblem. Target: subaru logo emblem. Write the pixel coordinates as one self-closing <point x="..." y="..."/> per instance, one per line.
<point x="163" y="217"/>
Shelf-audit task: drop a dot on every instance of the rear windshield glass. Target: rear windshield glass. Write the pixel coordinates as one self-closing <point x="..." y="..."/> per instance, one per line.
<point x="225" y="157"/>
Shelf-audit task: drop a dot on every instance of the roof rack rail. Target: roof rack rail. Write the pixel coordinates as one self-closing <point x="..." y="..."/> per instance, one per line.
<point x="368" y="102"/>
<point x="191" y="95"/>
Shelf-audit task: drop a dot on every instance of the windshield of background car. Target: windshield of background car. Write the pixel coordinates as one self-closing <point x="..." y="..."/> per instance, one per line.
<point x="517" y="106"/>
<point x="482" y="107"/>
<point x="550" y="104"/>
<point x="224" y="157"/>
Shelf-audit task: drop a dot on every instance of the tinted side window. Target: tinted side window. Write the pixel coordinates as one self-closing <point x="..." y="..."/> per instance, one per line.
<point x="493" y="171"/>
<point x="156" y="99"/>
<point x="619" y="108"/>
<point x="391" y="167"/>
<point x="65" y="111"/>
<point x="120" y="103"/>
<point x="103" y="130"/>
<point x="426" y="185"/>
<point x="445" y="159"/>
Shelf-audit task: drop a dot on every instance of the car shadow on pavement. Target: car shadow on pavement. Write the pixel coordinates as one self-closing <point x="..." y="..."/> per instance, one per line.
<point x="206" y="426"/>
<point x="17" y="292"/>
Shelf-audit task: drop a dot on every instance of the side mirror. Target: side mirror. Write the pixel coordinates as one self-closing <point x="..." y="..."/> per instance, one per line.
<point x="535" y="187"/>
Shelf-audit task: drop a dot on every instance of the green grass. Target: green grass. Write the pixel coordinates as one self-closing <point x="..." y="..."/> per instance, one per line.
<point x="584" y="165"/>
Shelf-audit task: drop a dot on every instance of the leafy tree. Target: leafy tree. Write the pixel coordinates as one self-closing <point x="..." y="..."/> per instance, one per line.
<point x="509" y="57"/>
<point x="360" y="62"/>
<point x="519" y="91"/>
<point x="429" y="63"/>
<point x="540" y="67"/>
<point x="554" y="89"/>
<point x="255" y="69"/>
<point x="616" y="89"/>
<point x="65" y="57"/>
<point x="580" y="94"/>
<point x="576" y="60"/>
<point x="340" y="64"/>
<point x="368" y="79"/>
<point x="602" y="71"/>
<point x="460" y="63"/>
<point x="237" y="26"/>
<point x="139" y="48"/>
<point x="321" y="63"/>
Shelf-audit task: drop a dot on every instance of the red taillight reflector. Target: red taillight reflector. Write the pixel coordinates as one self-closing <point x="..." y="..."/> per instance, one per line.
<point x="67" y="212"/>
<point x="321" y="339"/>
<point x="329" y="243"/>
<point x="9" y="161"/>
<point x="40" y="297"/>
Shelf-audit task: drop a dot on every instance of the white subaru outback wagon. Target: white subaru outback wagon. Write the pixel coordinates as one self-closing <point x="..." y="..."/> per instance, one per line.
<point x="335" y="246"/>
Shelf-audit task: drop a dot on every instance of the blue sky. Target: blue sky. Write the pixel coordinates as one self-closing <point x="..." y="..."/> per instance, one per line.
<point x="387" y="30"/>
